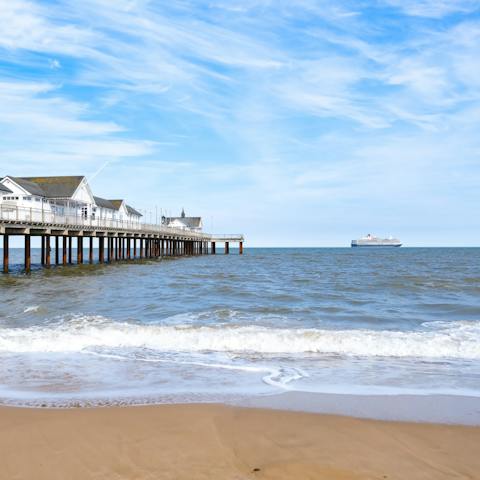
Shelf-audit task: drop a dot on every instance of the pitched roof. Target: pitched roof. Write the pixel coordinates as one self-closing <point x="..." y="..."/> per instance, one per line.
<point x="116" y="204"/>
<point x="3" y="188"/>
<point x="190" y="222"/>
<point x="104" y="203"/>
<point x="29" y="186"/>
<point x="132" y="211"/>
<point x="51" y="187"/>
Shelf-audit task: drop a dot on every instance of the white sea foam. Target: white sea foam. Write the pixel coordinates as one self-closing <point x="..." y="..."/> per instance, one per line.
<point x="33" y="308"/>
<point x="460" y="340"/>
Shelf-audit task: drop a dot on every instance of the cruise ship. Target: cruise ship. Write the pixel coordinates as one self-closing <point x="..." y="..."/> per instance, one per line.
<point x="372" y="241"/>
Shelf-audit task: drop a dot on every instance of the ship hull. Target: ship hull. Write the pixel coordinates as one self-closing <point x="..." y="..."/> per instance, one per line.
<point x="376" y="245"/>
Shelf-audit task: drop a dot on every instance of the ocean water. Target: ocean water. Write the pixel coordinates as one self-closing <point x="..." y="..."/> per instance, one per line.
<point x="217" y="328"/>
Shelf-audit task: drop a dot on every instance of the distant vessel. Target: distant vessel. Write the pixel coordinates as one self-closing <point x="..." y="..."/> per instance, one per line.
<point x="372" y="241"/>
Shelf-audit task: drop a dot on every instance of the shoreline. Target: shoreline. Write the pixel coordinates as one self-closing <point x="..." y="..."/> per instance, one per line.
<point x="218" y="441"/>
<point x="441" y="409"/>
<point x="438" y="409"/>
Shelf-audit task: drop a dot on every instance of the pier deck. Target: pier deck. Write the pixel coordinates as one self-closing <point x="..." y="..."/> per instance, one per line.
<point x="117" y="240"/>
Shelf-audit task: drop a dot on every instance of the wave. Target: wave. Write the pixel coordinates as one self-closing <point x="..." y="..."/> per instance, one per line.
<point x="460" y="340"/>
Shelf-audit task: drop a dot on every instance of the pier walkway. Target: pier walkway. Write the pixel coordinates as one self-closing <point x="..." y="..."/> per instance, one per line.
<point x="116" y="239"/>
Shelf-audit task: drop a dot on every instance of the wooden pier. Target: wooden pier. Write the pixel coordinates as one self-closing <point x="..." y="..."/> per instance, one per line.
<point x="116" y="240"/>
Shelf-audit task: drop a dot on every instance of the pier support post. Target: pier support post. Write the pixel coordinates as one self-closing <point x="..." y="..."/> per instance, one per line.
<point x="79" y="250"/>
<point x="90" y="250"/>
<point x="28" y="261"/>
<point x="227" y="248"/>
<point x="70" y="248"/>
<point x="47" y="250"/>
<point x="128" y="247"/>
<point x="101" y="250"/>
<point x="240" y="248"/>
<point x="5" y="253"/>
<point x="64" y="251"/>
<point x="213" y="248"/>
<point x="42" y="249"/>
<point x="57" y="253"/>
<point x="141" y="248"/>
<point x="109" y="249"/>
<point x="134" y="248"/>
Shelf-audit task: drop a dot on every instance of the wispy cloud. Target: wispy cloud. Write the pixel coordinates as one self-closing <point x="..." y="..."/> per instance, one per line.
<point x="434" y="8"/>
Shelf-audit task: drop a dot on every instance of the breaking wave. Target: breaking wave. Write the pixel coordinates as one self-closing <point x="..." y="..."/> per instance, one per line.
<point x="459" y="340"/>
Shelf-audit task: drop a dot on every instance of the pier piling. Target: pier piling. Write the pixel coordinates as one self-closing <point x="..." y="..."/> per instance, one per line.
<point x="64" y="250"/>
<point x="5" y="253"/>
<point x="70" y="248"/>
<point x="90" y="250"/>
<point x="42" y="249"/>
<point x="101" y="250"/>
<point x="56" y="250"/>
<point x="28" y="260"/>
<point x="47" y="250"/>
<point x="79" y="250"/>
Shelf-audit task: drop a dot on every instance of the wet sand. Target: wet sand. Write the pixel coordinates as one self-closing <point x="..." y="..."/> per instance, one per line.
<point x="221" y="442"/>
<point x="430" y="408"/>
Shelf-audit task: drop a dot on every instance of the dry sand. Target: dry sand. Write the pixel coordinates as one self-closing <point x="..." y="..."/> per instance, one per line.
<point x="220" y="442"/>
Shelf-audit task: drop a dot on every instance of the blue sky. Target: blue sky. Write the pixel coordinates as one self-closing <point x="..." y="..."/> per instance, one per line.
<point x="295" y="122"/>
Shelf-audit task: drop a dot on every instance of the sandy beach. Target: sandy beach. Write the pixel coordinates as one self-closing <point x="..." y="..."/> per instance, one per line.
<point x="222" y="442"/>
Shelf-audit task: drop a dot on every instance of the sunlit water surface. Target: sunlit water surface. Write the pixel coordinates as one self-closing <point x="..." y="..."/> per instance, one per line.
<point x="213" y="328"/>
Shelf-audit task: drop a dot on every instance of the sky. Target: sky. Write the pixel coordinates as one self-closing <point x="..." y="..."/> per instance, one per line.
<point x="297" y="123"/>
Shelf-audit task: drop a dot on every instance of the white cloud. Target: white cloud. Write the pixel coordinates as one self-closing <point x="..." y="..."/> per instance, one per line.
<point x="43" y="130"/>
<point x="434" y="8"/>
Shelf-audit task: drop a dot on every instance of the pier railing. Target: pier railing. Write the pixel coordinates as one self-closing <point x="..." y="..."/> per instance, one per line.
<point x="14" y="214"/>
<point x="221" y="237"/>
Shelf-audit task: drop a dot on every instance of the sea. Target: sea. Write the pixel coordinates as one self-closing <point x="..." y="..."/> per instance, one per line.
<point x="225" y="328"/>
